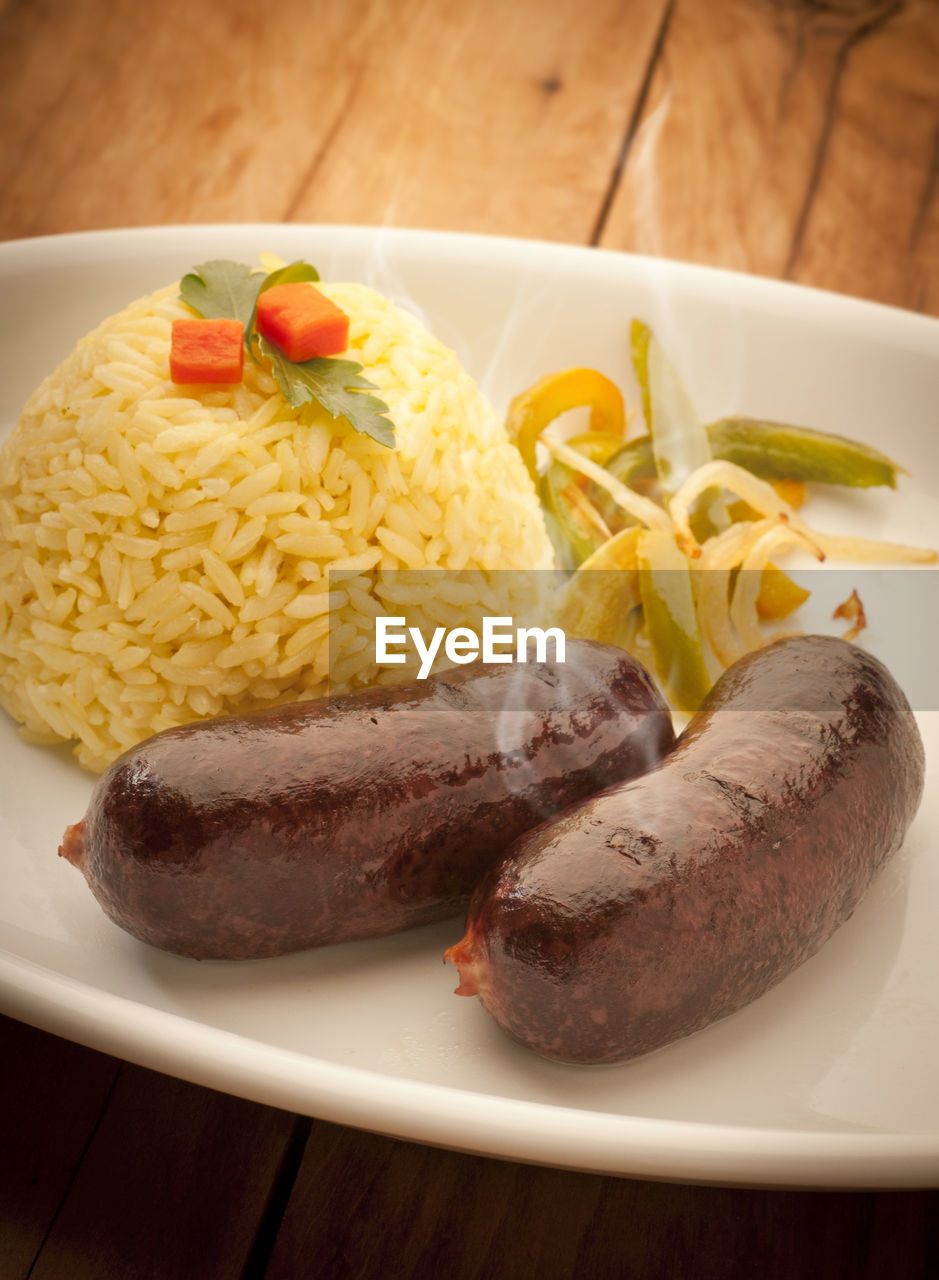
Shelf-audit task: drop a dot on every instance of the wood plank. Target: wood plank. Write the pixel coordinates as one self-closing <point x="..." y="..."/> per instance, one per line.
<point x="763" y="127"/>
<point x="364" y="1206"/>
<point x="129" y="114"/>
<point x="53" y="1093"/>
<point x="881" y="237"/>
<point x="175" y="1182"/>
<point x="486" y="116"/>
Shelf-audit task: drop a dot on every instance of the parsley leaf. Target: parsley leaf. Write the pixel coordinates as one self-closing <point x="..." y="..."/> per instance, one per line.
<point x="337" y="386"/>
<point x="290" y="274"/>
<point x="229" y="290"/>
<point x="222" y="290"/>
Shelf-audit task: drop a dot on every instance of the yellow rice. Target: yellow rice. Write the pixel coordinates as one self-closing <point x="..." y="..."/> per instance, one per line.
<point x="165" y="551"/>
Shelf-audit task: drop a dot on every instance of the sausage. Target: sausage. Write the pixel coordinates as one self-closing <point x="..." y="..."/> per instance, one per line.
<point x="322" y="822"/>
<point x="660" y="905"/>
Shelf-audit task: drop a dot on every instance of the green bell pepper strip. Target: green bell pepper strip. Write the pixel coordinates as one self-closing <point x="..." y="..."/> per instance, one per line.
<point x="679" y="441"/>
<point x="574" y="537"/>
<point x="639" y="335"/>
<point x="773" y="451"/>
<point x="680" y="445"/>
<point x="671" y="621"/>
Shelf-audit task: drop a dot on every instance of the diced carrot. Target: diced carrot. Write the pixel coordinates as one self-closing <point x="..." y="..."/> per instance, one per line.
<point x="302" y="321"/>
<point x="207" y="351"/>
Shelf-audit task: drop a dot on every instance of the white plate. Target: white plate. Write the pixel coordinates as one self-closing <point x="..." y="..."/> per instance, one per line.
<point x="829" y="1080"/>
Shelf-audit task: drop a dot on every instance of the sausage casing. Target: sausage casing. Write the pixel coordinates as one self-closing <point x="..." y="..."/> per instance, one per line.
<point x="661" y="905"/>
<point x="321" y="822"/>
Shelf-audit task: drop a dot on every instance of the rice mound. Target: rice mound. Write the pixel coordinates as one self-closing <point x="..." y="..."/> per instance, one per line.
<point x="164" y="551"/>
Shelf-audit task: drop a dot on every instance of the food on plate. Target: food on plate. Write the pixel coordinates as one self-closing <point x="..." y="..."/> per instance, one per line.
<point x="693" y="516"/>
<point x="204" y="350"/>
<point x="302" y="321"/>
<point x="325" y="821"/>
<point x="651" y="910"/>
<point x="165" y="549"/>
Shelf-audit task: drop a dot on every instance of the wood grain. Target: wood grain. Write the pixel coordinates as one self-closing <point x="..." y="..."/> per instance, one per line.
<point x="784" y="137"/>
<point x="129" y="114"/>
<point x="409" y="112"/>
<point x="362" y="1203"/>
<point x="52" y="1093"/>
<point x="133" y="1174"/>
<point x="802" y="144"/>
<point x="871" y="216"/>
<point x="490" y="117"/>
<point x="109" y="1170"/>
<point x="173" y="1180"/>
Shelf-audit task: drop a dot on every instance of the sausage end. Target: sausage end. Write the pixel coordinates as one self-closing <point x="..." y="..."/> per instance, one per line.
<point x="462" y="954"/>
<point x="74" y="846"/>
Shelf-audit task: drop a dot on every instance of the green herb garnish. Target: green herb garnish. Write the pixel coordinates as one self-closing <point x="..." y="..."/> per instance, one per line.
<point x="230" y="290"/>
<point x="335" y="385"/>
<point x="221" y="290"/>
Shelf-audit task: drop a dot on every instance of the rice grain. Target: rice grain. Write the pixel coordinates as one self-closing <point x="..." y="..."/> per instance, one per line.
<point x="165" y="553"/>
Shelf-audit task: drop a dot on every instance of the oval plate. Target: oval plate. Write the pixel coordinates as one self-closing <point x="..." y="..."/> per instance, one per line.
<point x="828" y="1080"/>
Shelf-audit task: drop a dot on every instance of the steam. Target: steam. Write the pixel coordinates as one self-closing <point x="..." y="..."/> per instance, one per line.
<point x="712" y="367"/>
<point x="645" y="207"/>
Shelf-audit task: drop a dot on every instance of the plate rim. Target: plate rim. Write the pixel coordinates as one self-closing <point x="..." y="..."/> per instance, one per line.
<point x="496" y="240"/>
<point x="634" y="1146"/>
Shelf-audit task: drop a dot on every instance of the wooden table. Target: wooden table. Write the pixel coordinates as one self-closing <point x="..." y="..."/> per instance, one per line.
<point x="795" y="140"/>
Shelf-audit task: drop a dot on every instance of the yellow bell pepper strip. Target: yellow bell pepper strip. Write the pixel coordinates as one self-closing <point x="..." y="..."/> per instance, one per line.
<point x="601" y="601"/>
<point x="671" y="621"/>
<point x="791" y="491"/>
<point x="533" y="410"/>
<point x="779" y="596"/>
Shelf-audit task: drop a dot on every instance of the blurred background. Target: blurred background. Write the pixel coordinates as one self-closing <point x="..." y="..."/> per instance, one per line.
<point x="785" y="138"/>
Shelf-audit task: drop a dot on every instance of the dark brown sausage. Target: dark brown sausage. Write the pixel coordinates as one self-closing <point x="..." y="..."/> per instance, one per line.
<point x="322" y="822"/>
<point x="653" y="909"/>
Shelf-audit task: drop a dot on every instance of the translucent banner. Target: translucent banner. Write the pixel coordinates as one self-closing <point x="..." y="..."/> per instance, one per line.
<point x="389" y="627"/>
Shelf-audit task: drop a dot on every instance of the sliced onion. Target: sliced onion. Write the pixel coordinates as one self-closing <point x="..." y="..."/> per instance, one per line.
<point x="872" y="550"/>
<point x="743" y="611"/>
<point x="720" y="555"/>
<point x="642" y="509"/>
<point x="720" y="474"/>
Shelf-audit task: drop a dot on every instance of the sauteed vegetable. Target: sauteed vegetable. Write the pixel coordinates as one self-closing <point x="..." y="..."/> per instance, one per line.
<point x="691" y="515"/>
